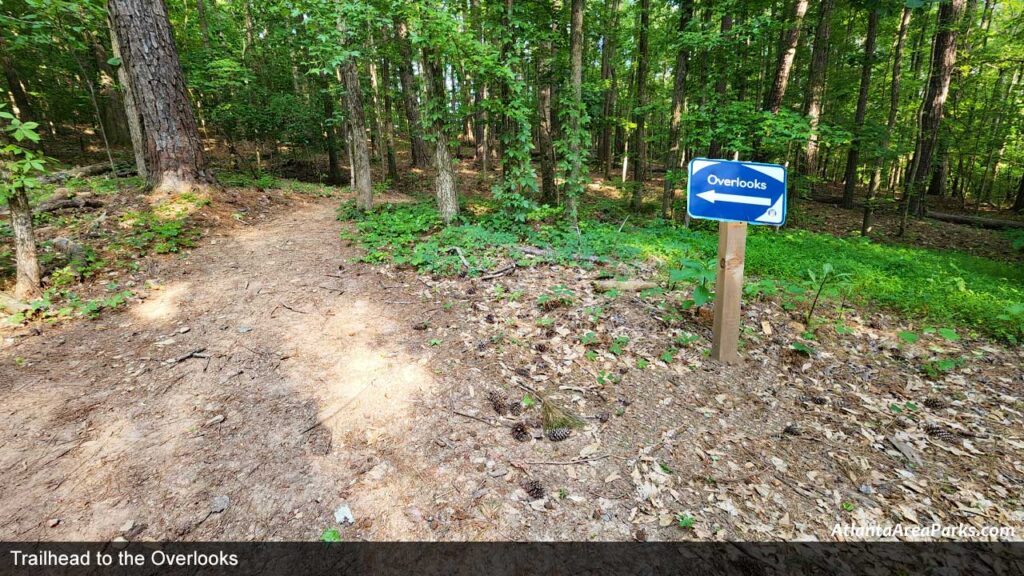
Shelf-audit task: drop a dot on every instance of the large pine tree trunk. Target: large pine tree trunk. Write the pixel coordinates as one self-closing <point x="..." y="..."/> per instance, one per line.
<point x="444" y="181"/>
<point x="850" y="176"/>
<point x="420" y="152"/>
<point x="174" y="153"/>
<point x="815" y="92"/>
<point x="131" y="111"/>
<point x="675" y="159"/>
<point x="27" y="285"/>
<point x="930" y="116"/>
<point x="362" y="179"/>
<point x="894" y="107"/>
<point x="639" y="116"/>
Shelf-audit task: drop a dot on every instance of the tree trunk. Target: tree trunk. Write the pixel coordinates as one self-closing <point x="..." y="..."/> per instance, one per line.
<point x="174" y="153"/>
<point x="721" y="83"/>
<point x="331" y="140"/>
<point x="815" y="91"/>
<point x="894" y="107"/>
<point x="131" y="112"/>
<point x="548" y="193"/>
<point x="112" y="109"/>
<point x="389" y="124"/>
<point x="850" y="177"/>
<point x="362" y="179"/>
<point x="605" y="150"/>
<point x="787" y="54"/>
<point x="675" y="159"/>
<point x="420" y="152"/>
<point x="575" y="129"/>
<point x="930" y="116"/>
<point x="1018" y="204"/>
<point x="639" y="115"/>
<point x="444" y="181"/>
<point x="27" y="265"/>
<point x="204" y="27"/>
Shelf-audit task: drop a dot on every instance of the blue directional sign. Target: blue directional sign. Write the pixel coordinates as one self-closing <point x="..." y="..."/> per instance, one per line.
<point x="737" y="191"/>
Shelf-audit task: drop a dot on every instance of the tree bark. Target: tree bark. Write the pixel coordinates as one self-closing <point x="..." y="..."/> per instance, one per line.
<point x="444" y="181"/>
<point x="850" y="177"/>
<point x="894" y="107"/>
<point x="28" y="283"/>
<point x="576" y="89"/>
<point x="815" y="92"/>
<point x="675" y="159"/>
<point x="131" y="111"/>
<point x="362" y="178"/>
<point x="204" y="26"/>
<point x="420" y="152"/>
<point x="639" y="115"/>
<point x="930" y="115"/>
<point x="174" y="153"/>
<point x="787" y="54"/>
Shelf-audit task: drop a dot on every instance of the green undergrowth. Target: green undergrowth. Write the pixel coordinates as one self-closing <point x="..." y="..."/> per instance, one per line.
<point x="921" y="284"/>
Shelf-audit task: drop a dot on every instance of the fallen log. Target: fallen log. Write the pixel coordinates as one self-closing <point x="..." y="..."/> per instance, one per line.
<point x="52" y="205"/>
<point x="978" y="221"/>
<point x="78" y="172"/>
<point x="623" y="285"/>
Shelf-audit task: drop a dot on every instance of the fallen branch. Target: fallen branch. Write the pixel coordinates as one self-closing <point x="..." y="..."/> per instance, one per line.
<point x="197" y="353"/>
<point x="623" y="285"/>
<point x="462" y="257"/>
<point x="77" y="172"/>
<point x="566" y="462"/>
<point x="471" y="417"/>
<point x="978" y="221"/>
<point x="499" y="272"/>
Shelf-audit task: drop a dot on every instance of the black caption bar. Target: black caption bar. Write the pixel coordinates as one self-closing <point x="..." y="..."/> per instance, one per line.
<point x="513" y="559"/>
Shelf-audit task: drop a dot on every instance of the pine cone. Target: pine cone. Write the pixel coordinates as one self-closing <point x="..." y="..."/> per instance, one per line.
<point x="498" y="402"/>
<point x="558" y="434"/>
<point x="534" y="489"/>
<point x="935" y="403"/>
<point x="603" y="417"/>
<point x="940" y="433"/>
<point x="520" y="432"/>
<point x="515" y="407"/>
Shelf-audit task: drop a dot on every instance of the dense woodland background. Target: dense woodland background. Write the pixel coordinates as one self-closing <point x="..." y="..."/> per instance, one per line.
<point x="874" y="105"/>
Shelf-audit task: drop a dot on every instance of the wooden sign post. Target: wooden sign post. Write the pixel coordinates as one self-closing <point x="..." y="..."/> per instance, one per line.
<point x="734" y="193"/>
<point x="732" y="245"/>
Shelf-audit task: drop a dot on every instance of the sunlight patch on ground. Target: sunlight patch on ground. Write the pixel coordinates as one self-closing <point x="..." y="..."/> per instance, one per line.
<point x="164" y="304"/>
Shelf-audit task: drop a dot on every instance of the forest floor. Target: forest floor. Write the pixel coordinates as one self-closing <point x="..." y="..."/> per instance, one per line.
<point x="266" y="385"/>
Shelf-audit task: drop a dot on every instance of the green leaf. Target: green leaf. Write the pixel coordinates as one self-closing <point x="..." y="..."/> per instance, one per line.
<point x="949" y="334"/>
<point x="803" y="348"/>
<point x="115" y="61"/>
<point x="908" y="337"/>
<point x="331" y="535"/>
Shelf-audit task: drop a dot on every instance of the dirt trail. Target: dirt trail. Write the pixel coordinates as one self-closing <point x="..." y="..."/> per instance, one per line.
<point x="303" y="376"/>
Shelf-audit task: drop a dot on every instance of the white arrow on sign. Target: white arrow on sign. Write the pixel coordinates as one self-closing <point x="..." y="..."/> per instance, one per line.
<point x="712" y="196"/>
